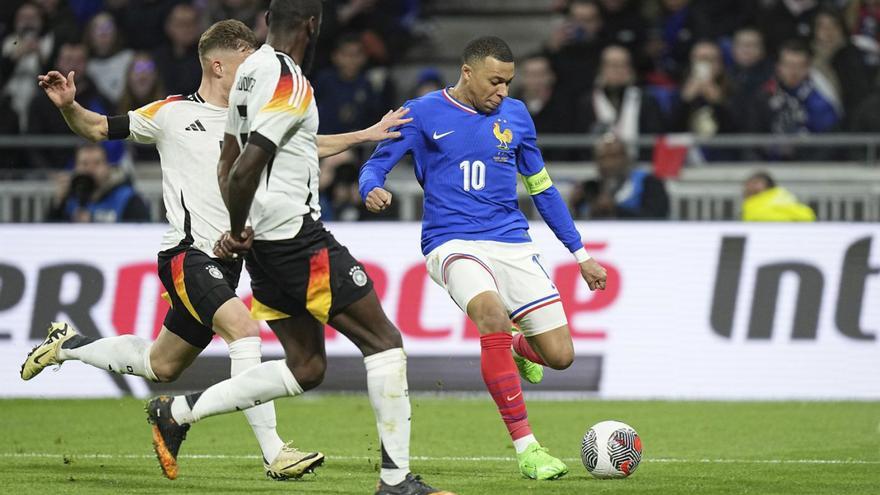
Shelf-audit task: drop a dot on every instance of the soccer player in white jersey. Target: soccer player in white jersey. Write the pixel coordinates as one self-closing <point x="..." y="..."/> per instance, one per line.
<point x="301" y="276"/>
<point x="188" y="132"/>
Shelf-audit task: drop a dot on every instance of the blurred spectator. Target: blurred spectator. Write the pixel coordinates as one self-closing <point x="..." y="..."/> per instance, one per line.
<point x="863" y="18"/>
<point x="96" y="192"/>
<point x="863" y="23"/>
<point x="245" y="11"/>
<point x="178" y="61"/>
<point x="551" y="110"/>
<point x="839" y="61"/>
<point x="616" y="103"/>
<point x="9" y="158"/>
<point x="623" y="24"/>
<point x="346" y="99"/>
<point x="108" y="62"/>
<point x="383" y="24"/>
<point x="44" y="118"/>
<point x="750" y="70"/>
<point x="142" y="87"/>
<point x="783" y="20"/>
<point x="705" y="106"/>
<point x="764" y="201"/>
<point x="716" y="19"/>
<point x="678" y="35"/>
<point x="60" y="20"/>
<point x="575" y="45"/>
<point x="621" y="191"/>
<point x="142" y="21"/>
<point x="428" y="80"/>
<point x="25" y="51"/>
<point x="790" y="102"/>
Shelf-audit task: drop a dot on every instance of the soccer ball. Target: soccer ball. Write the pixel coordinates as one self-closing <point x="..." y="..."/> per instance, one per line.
<point x="611" y="449"/>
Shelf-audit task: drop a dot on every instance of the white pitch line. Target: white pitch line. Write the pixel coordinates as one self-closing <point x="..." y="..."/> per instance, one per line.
<point x="660" y="460"/>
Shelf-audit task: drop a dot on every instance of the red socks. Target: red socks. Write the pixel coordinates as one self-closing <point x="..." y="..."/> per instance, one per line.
<point x="502" y="380"/>
<point x="523" y="349"/>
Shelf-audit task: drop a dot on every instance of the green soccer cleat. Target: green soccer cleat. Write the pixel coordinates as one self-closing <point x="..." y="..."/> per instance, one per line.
<point x="536" y="463"/>
<point x="529" y="371"/>
<point x="292" y="463"/>
<point x="45" y="354"/>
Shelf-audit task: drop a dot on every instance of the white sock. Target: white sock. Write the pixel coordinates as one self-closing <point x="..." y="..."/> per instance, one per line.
<point x="389" y="396"/>
<point x="245" y="354"/>
<point x="124" y="354"/>
<point x="521" y="443"/>
<point x="251" y="387"/>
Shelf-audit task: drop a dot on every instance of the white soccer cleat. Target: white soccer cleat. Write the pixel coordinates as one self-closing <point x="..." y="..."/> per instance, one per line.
<point x="292" y="463"/>
<point x="46" y="353"/>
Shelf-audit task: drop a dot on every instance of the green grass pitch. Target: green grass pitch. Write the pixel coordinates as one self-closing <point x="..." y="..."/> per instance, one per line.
<point x="103" y="446"/>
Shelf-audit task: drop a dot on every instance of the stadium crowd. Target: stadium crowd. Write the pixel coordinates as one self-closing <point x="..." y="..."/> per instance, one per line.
<point x="631" y="67"/>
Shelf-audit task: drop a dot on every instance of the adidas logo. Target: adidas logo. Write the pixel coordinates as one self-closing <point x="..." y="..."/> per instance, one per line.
<point x="196" y="126"/>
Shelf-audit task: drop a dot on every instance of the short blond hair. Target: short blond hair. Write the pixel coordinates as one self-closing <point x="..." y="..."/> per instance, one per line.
<point x="227" y="35"/>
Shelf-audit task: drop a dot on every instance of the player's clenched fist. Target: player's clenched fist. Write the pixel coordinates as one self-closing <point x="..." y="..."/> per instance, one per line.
<point x="228" y="247"/>
<point x="594" y="274"/>
<point x="378" y="199"/>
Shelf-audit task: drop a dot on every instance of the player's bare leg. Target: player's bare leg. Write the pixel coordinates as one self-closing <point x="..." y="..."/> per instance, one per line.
<point x="234" y="324"/>
<point x="252" y="387"/>
<point x="502" y="380"/>
<point x="364" y="323"/>
<point x="160" y="361"/>
<point x="170" y="355"/>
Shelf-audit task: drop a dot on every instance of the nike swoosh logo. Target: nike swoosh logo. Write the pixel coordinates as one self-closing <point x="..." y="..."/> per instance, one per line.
<point x="37" y="358"/>
<point x="438" y="136"/>
<point x="515" y="396"/>
<point x="304" y="459"/>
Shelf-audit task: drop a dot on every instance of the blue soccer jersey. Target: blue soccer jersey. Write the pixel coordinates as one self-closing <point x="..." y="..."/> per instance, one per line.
<point x="467" y="164"/>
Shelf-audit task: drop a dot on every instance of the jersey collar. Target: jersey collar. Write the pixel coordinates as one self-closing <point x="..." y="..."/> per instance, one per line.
<point x="457" y="103"/>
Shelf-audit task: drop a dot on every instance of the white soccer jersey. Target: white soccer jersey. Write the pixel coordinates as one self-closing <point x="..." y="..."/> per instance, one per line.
<point x="188" y="133"/>
<point x="273" y="98"/>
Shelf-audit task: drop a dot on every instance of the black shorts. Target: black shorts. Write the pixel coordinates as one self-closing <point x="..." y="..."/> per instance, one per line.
<point x="197" y="285"/>
<point x="310" y="273"/>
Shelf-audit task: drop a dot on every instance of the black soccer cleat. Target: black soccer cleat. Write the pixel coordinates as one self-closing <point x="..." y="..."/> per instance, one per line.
<point x="411" y="485"/>
<point x="167" y="434"/>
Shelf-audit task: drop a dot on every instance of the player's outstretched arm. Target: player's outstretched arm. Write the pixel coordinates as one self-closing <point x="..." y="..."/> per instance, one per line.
<point x="371" y="178"/>
<point x="244" y="178"/>
<point x="62" y="91"/>
<point x="333" y="144"/>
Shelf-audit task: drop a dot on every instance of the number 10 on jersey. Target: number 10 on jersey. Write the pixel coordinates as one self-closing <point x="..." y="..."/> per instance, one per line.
<point x="474" y="174"/>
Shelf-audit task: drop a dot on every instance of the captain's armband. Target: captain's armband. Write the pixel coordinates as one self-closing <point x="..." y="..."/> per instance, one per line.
<point x="538" y="183"/>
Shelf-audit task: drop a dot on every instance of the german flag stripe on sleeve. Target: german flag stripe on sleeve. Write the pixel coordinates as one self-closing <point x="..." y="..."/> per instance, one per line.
<point x="293" y="93"/>
<point x="150" y="110"/>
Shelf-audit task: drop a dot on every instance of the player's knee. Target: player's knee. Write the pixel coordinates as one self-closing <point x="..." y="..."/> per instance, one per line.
<point x="309" y="373"/>
<point x="389" y="337"/>
<point x="241" y="328"/>
<point x="561" y="360"/>
<point x="166" y="371"/>
<point x="492" y="321"/>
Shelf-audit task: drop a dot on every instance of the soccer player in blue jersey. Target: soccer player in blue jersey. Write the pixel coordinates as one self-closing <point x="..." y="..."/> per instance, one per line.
<point x="469" y="143"/>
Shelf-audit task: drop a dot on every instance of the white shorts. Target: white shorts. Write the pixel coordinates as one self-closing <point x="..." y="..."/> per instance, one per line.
<point x="513" y="270"/>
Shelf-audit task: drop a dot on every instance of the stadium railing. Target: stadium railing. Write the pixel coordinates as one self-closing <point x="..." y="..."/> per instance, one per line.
<point x="843" y="186"/>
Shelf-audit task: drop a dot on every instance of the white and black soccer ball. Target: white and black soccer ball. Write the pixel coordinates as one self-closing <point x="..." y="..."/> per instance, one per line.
<point x="611" y="449"/>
